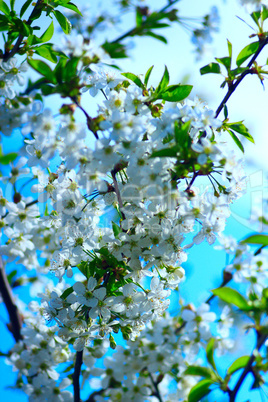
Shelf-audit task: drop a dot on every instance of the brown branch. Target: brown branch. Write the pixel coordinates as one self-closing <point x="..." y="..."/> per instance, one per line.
<point x="13" y="312"/>
<point x="7" y="55"/>
<point x="248" y="368"/>
<point x="76" y="375"/>
<point x="233" y="86"/>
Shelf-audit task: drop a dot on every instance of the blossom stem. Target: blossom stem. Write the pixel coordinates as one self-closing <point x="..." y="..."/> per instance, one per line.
<point x="76" y="375"/>
<point x="233" y="86"/>
<point x="13" y="312"/>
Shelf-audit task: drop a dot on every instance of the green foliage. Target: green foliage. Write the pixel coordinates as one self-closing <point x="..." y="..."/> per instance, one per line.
<point x="63" y="21"/>
<point x="200" y="390"/>
<point x="246" y="52"/>
<point x="239" y="363"/>
<point x="232" y="296"/>
<point x="210" y="353"/>
<point x="211" y="68"/>
<point x="8" y="158"/>
<point x="256" y="239"/>
<point x="4" y="7"/>
<point x="135" y="79"/>
<point x="199" y="371"/>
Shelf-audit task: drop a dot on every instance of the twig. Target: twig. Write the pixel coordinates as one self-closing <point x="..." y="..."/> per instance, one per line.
<point x="76" y="375"/>
<point x="89" y="119"/>
<point x="233" y="87"/>
<point x="13" y="312"/>
<point x="157" y="393"/>
<point x="7" y="55"/>
<point x="134" y="30"/>
<point x="247" y="369"/>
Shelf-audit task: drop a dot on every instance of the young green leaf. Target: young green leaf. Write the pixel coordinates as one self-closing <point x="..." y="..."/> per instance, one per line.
<point x="225" y="61"/>
<point x="198" y="370"/>
<point x="176" y="93"/>
<point x="232" y="296"/>
<point x="8" y="158"/>
<point x="24" y="7"/>
<point x="181" y="133"/>
<point x="229" y="45"/>
<point x="72" y="7"/>
<point x="67" y="292"/>
<point x="43" y="69"/>
<point x="4" y="7"/>
<point x="200" y="390"/>
<point x="164" y="82"/>
<point x="47" y="52"/>
<point x="116" y="229"/>
<point x="213" y="68"/>
<point x="239" y="363"/>
<point x="147" y="76"/>
<point x="240" y="128"/>
<point x="210" y="352"/>
<point x="236" y="140"/>
<point x="247" y="52"/>
<point x="157" y="36"/>
<point x="135" y="79"/>
<point x="256" y="239"/>
<point x="63" y="21"/>
<point x="167" y="152"/>
<point x="47" y="35"/>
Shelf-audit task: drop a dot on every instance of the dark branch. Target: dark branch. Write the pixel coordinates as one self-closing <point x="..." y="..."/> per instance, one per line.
<point x="233" y="86"/>
<point x="13" y="312"/>
<point x="157" y="392"/>
<point x="7" y="55"/>
<point x="248" y="368"/>
<point x="76" y="375"/>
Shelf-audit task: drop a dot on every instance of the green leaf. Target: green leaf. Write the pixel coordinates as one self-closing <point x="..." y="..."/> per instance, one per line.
<point x="70" y="69"/>
<point x="198" y="370"/>
<point x="138" y="17"/>
<point x="232" y="296"/>
<point x="210" y="352"/>
<point x="47" y="52"/>
<point x="135" y="79"/>
<point x="67" y="292"/>
<point x="256" y="16"/>
<point x="63" y="21"/>
<point x="167" y="152"/>
<point x="264" y="13"/>
<point x="229" y="48"/>
<point x="164" y="81"/>
<point x="47" y="35"/>
<point x="236" y="140"/>
<point x="256" y="239"/>
<point x="4" y="7"/>
<point x="43" y="69"/>
<point x="115" y="50"/>
<point x="157" y="36"/>
<point x="213" y="68"/>
<point x="181" y="133"/>
<point x="225" y="61"/>
<point x="247" y="52"/>
<point x="25" y="6"/>
<point x="225" y="111"/>
<point x="8" y="158"/>
<point x="116" y="229"/>
<point x="176" y="93"/>
<point x="241" y="129"/>
<point x="72" y="7"/>
<point x="12" y="3"/>
<point x="200" y="390"/>
<point x="147" y="75"/>
<point x="239" y="363"/>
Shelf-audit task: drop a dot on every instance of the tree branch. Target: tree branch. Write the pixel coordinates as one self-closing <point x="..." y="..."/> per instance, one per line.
<point x="76" y="375"/>
<point x="247" y="369"/>
<point x="7" y="55"/>
<point x="233" y="87"/>
<point x="135" y="30"/>
<point x="157" y="393"/>
<point x="13" y="312"/>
